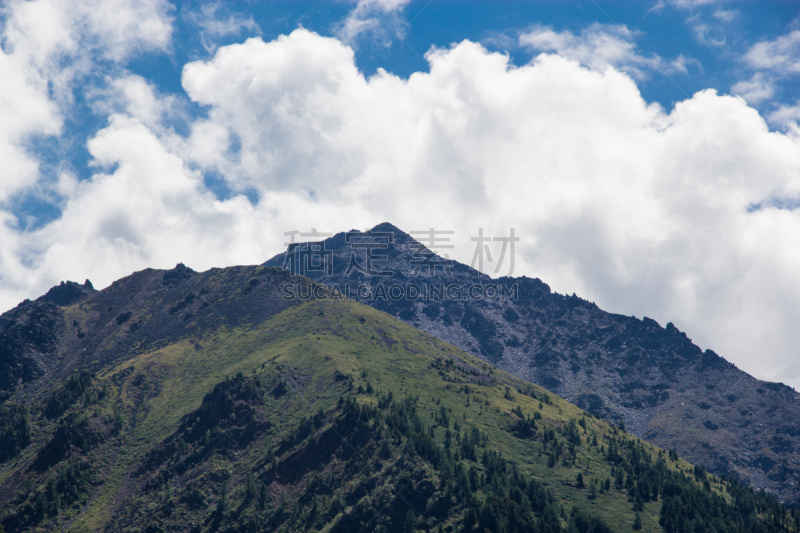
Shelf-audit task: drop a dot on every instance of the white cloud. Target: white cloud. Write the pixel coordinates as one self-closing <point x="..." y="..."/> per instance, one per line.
<point x="773" y="61"/>
<point x="641" y="211"/>
<point x="706" y="34"/>
<point x="47" y="44"/>
<point x="682" y="63"/>
<point x="787" y="116"/>
<point x="755" y="90"/>
<point x="780" y="55"/>
<point x="691" y="4"/>
<point x="49" y="31"/>
<point x="600" y="46"/>
<point x="597" y="45"/>
<point x="500" y="41"/>
<point x="215" y="25"/>
<point x="725" y="15"/>
<point x="378" y="18"/>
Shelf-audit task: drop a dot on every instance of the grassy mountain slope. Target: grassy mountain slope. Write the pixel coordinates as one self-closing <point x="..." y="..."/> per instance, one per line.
<point x="259" y="414"/>
<point x="665" y="388"/>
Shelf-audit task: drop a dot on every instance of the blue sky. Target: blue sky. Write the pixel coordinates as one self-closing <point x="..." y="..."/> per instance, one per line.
<point x="713" y="38"/>
<point x="647" y="154"/>
<point x="717" y="35"/>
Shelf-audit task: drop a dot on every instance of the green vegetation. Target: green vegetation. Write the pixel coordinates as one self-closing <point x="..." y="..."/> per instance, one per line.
<point x="63" y="397"/>
<point x="332" y="416"/>
<point x="15" y="430"/>
<point x="70" y="483"/>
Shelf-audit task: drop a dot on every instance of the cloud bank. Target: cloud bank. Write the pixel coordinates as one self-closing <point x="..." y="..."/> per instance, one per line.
<point x="686" y="216"/>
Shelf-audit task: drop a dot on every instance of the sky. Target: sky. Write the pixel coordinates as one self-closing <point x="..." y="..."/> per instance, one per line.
<point x="646" y="154"/>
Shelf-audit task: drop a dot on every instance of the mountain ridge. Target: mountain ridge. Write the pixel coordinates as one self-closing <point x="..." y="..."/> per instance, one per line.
<point x="665" y="388"/>
<point x="256" y="412"/>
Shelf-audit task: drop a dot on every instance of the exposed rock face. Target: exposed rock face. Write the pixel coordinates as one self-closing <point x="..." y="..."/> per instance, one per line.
<point x="664" y="387"/>
<point x="29" y="336"/>
<point x="68" y="293"/>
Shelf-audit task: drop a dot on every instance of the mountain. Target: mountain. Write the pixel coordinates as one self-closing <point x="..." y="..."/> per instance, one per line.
<point x="176" y="400"/>
<point x="654" y="379"/>
<point x="28" y="334"/>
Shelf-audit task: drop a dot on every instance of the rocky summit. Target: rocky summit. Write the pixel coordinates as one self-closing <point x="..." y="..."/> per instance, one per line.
<point x="653" y="379"/>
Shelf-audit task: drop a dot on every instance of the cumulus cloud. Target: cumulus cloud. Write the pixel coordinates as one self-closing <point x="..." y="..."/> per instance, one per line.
<point x="755" y="90"/>
<point x="47" y="45"/>
<point x="677" y="216"/>
<point x="600" y="46"/>
<point x="49" y="31"/>
<point x="780" y="55"/>
<point x="377" y="18"/>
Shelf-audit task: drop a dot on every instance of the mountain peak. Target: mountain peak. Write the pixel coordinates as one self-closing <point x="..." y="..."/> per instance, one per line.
<point x="178" y="274"/>
<point x="651" y="377"/>
<point x="68" y="292"/>
<point x="389" y="227"/>
<point x="398" y="236"/>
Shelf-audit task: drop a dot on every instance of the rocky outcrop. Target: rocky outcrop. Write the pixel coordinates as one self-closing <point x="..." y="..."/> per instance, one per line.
<point x="29" y="336"/>
<point x="68" y="292"/>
